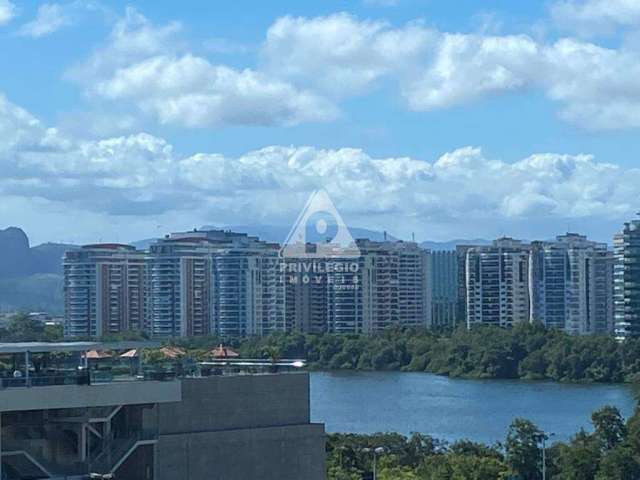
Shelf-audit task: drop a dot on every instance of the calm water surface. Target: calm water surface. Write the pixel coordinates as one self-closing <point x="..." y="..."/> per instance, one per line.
<point x="450" y="409"/>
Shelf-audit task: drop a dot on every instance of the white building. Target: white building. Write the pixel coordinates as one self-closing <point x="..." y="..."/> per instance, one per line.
<point x="214" y="282"/>
<point x="571" y="282"/>
<point x="497" y="283"/>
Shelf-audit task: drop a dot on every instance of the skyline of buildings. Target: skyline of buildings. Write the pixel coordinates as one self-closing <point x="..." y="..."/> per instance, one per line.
<point x="225" y="283"/>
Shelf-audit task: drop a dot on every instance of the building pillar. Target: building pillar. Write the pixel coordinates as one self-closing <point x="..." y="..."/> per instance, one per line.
<point x="26" y="368"/>
<point x="83" y="443"/>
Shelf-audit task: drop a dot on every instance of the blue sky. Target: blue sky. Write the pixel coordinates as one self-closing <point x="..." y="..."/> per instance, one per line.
<point x="448" y="119"/>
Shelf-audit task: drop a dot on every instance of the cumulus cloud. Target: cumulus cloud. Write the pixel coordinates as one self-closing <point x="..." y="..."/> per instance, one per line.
<point x="142" y="64"/>
<point x="465" y="67"/>
<point x="595" y="17"/>
<point x="341" y="55"/>
<point x="50" y="18"/>
<point x="7" y="11"/>
<point x="191" y="91"/>
<point x="143" y="177"/>
<point x="307" y="66"/>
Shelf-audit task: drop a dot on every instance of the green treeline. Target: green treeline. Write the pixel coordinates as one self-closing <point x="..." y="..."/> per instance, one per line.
<point x="528" y="351"/>
<point x="611" y="452"/>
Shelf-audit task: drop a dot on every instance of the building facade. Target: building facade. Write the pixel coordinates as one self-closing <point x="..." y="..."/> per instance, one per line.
<point x="497" y="283"/>
<point x="444" y="288"/>
<point x="571" y="285"/>
<point x="104" y="290"/>
<point x="222" y="427"/>
<point x="214" y="282"/>
<point x="627" y="280"/>
<point x="386" y="285"/>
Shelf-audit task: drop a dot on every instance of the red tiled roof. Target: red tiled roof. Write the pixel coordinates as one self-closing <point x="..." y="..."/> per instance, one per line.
<point x="224" y="352"/>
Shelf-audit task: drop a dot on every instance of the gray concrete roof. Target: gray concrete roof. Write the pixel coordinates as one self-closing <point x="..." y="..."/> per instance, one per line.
<point x="44" y="347"/>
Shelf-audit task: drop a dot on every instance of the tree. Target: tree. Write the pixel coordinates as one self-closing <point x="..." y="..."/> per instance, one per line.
<point x="579" y="459"/>
<point x="23" y="328"/>
<point x="619" y="463"/>
<point x="610" y="427"/>
<point x="523" y="449"/>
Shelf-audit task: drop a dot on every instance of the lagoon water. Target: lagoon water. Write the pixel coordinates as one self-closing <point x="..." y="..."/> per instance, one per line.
<point x="451" y="409"/>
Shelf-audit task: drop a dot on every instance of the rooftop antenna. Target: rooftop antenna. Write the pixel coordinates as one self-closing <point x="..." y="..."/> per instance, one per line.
<point x="413" y="236"/>
<point x="385" y="235"/>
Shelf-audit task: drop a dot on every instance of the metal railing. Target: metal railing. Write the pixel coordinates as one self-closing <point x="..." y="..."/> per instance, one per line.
<point x="46" y="380"/>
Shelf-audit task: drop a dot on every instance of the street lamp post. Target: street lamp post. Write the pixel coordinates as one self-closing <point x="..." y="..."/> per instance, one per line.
<point x="545" y="437"/>
<point x="376" y="451"/>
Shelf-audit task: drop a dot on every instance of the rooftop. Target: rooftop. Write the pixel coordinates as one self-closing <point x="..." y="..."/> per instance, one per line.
<point x="45" y="347"/>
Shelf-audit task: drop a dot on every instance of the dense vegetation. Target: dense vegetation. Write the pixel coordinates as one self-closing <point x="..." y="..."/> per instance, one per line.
<point x="21" y="328"/>
<point x="526" y="351"/>
<point x="611" y="452"/>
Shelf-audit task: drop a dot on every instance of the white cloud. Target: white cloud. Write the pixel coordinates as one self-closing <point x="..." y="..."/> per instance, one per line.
<point x="465" y="67"/>
<point x="189" y="90"/>
<point x="50" y="18"/>
<point x="142" y="177"/>
<point x="307" y="66"/>
<point x="595" y="17"/>
<point x="146" y="66"/>
<point x="133" y="38"/>
<point x="340" y="56"/>
<point x="7" y="11"/>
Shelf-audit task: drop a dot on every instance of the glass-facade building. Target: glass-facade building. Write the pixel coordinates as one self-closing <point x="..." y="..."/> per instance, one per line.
<point x="627" y="280"/>
<point x="572" y="285"/>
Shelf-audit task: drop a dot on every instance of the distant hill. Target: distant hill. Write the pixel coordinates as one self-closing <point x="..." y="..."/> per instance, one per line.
<point x="37" y="292"/>
<point x="451" y="245"/>
<point x="19" y="259"/>
<point x="30" y="277"/>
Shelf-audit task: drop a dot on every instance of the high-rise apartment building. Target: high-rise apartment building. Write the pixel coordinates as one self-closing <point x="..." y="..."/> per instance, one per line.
<point x="444" y="288"/>
<point x="179" y="286"/>
<point x="497" y="283"/>
<point x="387" y="285"/>
<point x="104" y="290"/>
<point x="461" y="259"/>
<point x="627" y="280"/>
<point x="571" y="285"/>
<point x="214" y="282"/>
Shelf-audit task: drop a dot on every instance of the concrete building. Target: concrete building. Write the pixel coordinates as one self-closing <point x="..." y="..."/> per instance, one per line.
<point x="387" y="285"/>
<point x="214" y="282"/>
<point x="571" y="285"/>
<point x="444" y="288"/>
<point x="497" y="283"/>
<point x="461" y="259"/>
<point x="103" y="290"/>
<point x="627" y="280"/>
<point x="205" y="428"/>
